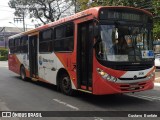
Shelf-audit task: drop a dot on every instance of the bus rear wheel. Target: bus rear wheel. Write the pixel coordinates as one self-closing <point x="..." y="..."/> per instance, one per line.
<point x="22" y="73"/>
<point x="65" y="84"/>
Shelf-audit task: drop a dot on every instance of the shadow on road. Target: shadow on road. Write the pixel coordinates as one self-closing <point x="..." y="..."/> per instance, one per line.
<point x="102" y="101"/>
<point x="115" y="100"/>
<point x="39" y="83"/>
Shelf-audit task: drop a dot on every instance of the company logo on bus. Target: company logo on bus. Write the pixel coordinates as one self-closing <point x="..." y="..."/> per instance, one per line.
<point x="40" y="60"/>
<point x="135" y="77"/>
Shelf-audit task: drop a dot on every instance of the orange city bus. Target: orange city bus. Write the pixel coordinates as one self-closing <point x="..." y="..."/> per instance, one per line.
<point x="101" y="50"/>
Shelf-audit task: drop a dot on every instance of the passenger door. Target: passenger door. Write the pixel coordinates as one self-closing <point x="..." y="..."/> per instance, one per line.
<point x="85" y="55"/>
<point x="33" y="66"/>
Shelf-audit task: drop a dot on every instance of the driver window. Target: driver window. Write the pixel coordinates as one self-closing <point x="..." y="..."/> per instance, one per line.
<point x="102" y="50"/>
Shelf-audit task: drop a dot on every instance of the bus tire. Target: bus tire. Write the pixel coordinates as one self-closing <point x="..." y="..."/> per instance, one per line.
<point x="22" y="73"/>
<point x="65" y="84"/>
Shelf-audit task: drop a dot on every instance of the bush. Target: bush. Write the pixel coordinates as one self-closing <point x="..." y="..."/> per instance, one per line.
<point x="3" y="58"/>
<point x="3" y="54"/>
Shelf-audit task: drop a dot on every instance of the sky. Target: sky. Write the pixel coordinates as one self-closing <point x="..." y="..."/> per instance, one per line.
<point x="7" y="15"/>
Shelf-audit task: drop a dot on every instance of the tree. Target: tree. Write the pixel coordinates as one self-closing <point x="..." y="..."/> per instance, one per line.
<point x="44" y="10"/>
<point x="156" y="12"/>
<point x="93" y="3"/>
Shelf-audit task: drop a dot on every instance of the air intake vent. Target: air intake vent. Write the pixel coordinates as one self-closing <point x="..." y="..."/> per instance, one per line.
<point x="132" y="87"/>
<point x="132" y="78"/>
<point x="132" y="67"/>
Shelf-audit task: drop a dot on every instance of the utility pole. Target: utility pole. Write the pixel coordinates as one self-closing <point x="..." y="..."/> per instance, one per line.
<point x="75" y="4"/>
<point x="4" y="38"/>
<point x="21" y="19"/>
<point x="24" y="22"/>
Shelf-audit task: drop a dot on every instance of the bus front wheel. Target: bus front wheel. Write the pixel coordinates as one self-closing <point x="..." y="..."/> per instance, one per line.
<point x="22" y="73"/>
<point x="65" y="84"/>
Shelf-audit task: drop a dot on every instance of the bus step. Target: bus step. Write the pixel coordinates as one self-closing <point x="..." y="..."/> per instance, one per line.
<point x="84" y="90"/>
<point x="34" y="79"/>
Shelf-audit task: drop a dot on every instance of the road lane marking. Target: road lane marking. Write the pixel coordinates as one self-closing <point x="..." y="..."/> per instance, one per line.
<point x="154" y="97"/>
<point x="66" y="104"/>
<point x="140" y="97"/>
<point x="98" y="118"/>
<point x="73" y="107"/>
<point x="150" y="98"/>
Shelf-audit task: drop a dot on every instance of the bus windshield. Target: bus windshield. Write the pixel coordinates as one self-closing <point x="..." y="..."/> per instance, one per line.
<point x="125" y="43"/>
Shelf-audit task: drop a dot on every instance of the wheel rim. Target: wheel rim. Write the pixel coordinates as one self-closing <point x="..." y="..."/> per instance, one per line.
<point x="66" y="84"/>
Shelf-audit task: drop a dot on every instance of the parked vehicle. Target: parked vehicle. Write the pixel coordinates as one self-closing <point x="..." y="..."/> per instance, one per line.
<point x="157" y="60"/>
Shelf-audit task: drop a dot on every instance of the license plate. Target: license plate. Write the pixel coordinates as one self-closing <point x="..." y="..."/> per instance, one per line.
<point x="134" y="85"/>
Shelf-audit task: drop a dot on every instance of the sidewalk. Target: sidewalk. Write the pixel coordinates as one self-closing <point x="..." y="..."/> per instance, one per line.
<point x="157" y="74"/>
<point x="157" y="80"/>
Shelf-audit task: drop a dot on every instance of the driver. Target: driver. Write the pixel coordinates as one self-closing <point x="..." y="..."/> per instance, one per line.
<point x="120" y="45"/>
<point x="132" y="50"/>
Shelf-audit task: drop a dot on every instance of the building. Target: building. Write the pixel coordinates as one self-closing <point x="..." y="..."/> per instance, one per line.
<point x="5" y="32"/>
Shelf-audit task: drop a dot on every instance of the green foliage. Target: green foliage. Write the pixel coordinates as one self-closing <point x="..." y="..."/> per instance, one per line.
<point x="156" y="7"/>
<point x="156" y="13"/>
<point x="84" y="4"/>
<point x="156" y="30"/>
<point x="3" y="54"/>
<point x="3" y="58"/>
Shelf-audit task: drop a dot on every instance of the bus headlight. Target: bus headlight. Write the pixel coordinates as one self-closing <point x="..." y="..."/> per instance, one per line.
<point x="114" y="79"/>
<point x="106" y="76"/>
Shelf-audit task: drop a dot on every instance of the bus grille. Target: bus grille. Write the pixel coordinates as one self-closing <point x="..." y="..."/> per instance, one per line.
<point x="132" y="78"/>
<point x="132" y="67"/>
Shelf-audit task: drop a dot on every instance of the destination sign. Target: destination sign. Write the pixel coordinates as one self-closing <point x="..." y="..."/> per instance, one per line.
<point x="124" y="15"/>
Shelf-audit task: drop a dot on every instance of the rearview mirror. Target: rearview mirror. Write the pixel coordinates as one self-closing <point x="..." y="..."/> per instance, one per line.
<point x="116" y="33"/>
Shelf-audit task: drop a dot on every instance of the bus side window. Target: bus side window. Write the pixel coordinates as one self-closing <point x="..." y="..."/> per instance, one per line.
<point x="24" y="44"/>
<point x="64" y="37"/>
<point x="17" y="48"/>
<point x="11" y="46"/>
<point x="45" y="41"/>
<point x="16" y="45"/>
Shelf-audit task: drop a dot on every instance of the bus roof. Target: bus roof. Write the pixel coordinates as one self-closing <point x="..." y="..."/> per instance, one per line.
<point x="91" y="11"/>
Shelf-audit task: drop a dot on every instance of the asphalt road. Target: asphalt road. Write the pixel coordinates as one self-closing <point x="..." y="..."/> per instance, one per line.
<point x="18" y="95"/>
